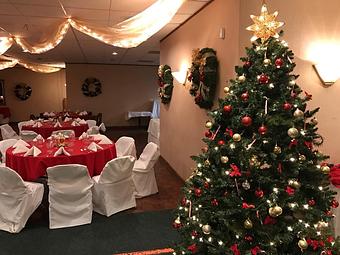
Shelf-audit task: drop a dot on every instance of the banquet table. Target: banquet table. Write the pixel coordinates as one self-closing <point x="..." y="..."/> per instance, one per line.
<point x="48" y="127"/>
<point x="31" y="168"/>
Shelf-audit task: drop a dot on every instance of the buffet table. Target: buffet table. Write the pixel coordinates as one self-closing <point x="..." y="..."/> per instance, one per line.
<point x="31" y="168"/>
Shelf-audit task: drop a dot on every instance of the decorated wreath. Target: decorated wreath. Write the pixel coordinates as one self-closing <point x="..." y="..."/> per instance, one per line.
<point x="22" y="91"/>
<point x="91" y="87"/>
<point x="165" y="81"/>
<point x="203" y="75"/>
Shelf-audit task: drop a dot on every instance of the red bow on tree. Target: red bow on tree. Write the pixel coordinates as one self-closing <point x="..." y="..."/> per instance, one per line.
<point x="292" y="143"/>
<point x="247" y="206"/>
<point x="229" y="132"/>
<point x="235" y="249"/>
<point x="309" y="145"/>
<point x="236" y="171"/>
<point x="255" y="250"/>
<point x="290" y="191"/>
<point x="269" y="221"/>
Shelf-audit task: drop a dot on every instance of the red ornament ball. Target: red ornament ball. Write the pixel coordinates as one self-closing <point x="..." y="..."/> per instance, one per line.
<point x="227" y="108"/>
<point x="246" y="121"/>
<point x="193" y="248"/>
<point x="263" y="130"/>
<point x="221" y="142"/>
<point x="311" y="202"/>
<point x="214" y="202"/>
<point x="245" y="96"/>
<point x="206" y="185"/>
<point x="194" y="233"/>
<point x="247" y="64"/>
<point x="263" y="79"/>
<point x="335" y="203"/>
<point x="176" y="224"/>
<point x="287" y="106"/>
<point x="198" y="192"/>
<point x="184" y="201"/>
<point x="278" y="62"/>
<point x="208" y="134"/>
<point x="259" y="193"/>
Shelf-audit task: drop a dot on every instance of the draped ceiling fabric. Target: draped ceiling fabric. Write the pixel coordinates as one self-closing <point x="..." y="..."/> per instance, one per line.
<point x="5" y="44"/>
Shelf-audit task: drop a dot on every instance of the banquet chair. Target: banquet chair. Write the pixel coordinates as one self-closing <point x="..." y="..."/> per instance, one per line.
<point x="143" y="173"/>
<point x="19" y="199"/>
<point x="125" y="146"/>
<point x="64" y="132"/>
<point x="4" y="145"/>
<point x="28" y="135"/>
<point x="7" y="132"/>
<point x="70" y="195"/>
<point x="113" y="189"/>
<point x="91" y="123"/>
<point x="96" y="130"/>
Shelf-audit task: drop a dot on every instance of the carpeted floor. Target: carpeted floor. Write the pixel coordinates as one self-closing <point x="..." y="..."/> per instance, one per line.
<point x="121" y="233"/>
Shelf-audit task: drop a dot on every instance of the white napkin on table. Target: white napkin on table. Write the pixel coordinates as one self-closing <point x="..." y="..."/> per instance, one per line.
<point x="105" y="140"/>
<point x="39" y="137"/>
<point x="66" y="114"/>
<point x="61" y="151"/>
<point x="20" y="143"/>
<point x="97" y="137"/>
<point x="46" y="114"/>
<point x="30" y="122"/>
<point x="83" y="136"/>
<point x="52" y="114"/>
<point x="78" y="119"/>
<point x="94" y="147"/>
<point x="57" y="124"/>
<point x="74" y="123"/>
<point x="37" y="124"/>
<point x="83" y="113"/>
<point x="20" y="149"/>
<point x="34" y="151"/>
<point x="67" y="119"/>
<point x="82" y="122"/>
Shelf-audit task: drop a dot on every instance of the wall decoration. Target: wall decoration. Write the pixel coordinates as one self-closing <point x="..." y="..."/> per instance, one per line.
<point x="22" y="91"/>
<point x="91" y="87"/>
<point x="203" y="75"/>
<point x="165" y="80"/>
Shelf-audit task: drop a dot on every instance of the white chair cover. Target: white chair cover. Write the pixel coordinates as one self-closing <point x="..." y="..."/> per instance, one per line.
<point x="125" y="146"/>
<point x="113" y="189"/>
<point x="64" y="132"/>
<point x="4" y="145"/>
<point x="91" y="123"/>
<point x="7" y="132"/>
<point x="154" y="131"/>
<point x="143" y="173"/>
<point x="20" y="124"/>
<point x="156" y="109"/>
<point x="70" y="195"/>
<point x="28" y="135"/>
<point x="19" y="199"/>
<point x="93" y="130"/>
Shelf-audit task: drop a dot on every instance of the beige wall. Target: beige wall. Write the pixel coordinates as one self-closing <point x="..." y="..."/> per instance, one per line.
<point x="182" y="121"/>
<point x="308" y="23"/>
<point x="48" y="91"/>
<point x="124" y="88"/>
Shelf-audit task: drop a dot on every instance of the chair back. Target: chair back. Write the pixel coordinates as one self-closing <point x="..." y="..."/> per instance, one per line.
<point x="11" y="186"/>
<point x="91" y="123"/>
<point x="20" y="124"/>
<point x="65" y="132"/>
<point x="117" y="170"/>
<point x="150" y="155"/>
<point x="7" y="131"/>
<point x="4" y="145"/>
<point x="125" y="146"/>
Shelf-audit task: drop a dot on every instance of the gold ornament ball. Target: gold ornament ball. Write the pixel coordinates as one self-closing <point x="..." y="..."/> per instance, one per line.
<point x="302" y="157"/>
<point x="248" y="224"/>
<point x="293" y="132"/>
<point x="237" y="137"/>
<point x="206" y="229"/>
<point x="224" y="159"/>
<point x="207" y="162"/>
<point x="254" y="161"/>
<point x="226" y="89"/>
<point x="298" y="113"/>
<point x="275" y="211"/>
<point x="208" y="124"/>
<point x="296" y="184"/>
<point x="277" y="149"/>
<point x="303" y="244"/>
<point x="322" y="224"/>
<point x="325" y="169"/>
<point x="241" y="78"/>
<point x="266" y="61"/>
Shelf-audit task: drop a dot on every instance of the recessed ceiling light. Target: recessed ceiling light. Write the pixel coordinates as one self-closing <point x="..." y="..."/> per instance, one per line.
<point x="114" y="53"/>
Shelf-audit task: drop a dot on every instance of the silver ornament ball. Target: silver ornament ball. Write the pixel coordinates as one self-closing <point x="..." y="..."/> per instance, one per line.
<point x="206" y="229"/>
<point x="293" y="132"/>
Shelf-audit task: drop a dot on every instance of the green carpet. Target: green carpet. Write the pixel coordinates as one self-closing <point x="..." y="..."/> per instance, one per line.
<point x="124" y="232"/>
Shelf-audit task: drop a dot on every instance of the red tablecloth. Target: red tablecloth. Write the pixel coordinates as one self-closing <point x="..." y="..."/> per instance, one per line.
<point x="5" y="112"/>
<point x="30" y="168"/>
<point x="48" y="127"/>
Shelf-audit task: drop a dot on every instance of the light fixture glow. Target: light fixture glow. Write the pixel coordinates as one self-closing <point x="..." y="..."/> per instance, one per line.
<point x="114" y="53"/>
<point x="328" y="74"/>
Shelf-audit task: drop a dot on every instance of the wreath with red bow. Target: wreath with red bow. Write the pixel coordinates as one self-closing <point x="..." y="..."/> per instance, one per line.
<point x="165" y="81"/>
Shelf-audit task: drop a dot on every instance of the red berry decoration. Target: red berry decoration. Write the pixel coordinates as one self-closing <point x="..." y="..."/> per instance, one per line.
<point x="198" y="192"/>
<point x="184" y="201"/>
<point x="278" y="62"/>
<point x="263" y="79"/>
<point x="206" y="185"/>
<point x="247" y="64"/>
<point x="311" y="202"/>
<point x="262" y="130"/>
<point x="246" y="121"/>
<point x="335" y="203"/>
<point x="194" y="233"/>
<point x="177" y="224"/>
<point x="227" y="108"/>
<point x="214" y="202"/>
<point x="245" y="96"/>
<point x="259" y="193"/>
<point x="208" y="134"/>
<point x="248" y="238"/>
<point x="287" y="106"/>
<point x="221" y="142"/>
<point x="193" y="248"/>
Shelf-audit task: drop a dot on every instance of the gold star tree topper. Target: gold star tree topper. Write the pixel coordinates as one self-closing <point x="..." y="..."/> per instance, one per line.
<point x="265" y="25"/>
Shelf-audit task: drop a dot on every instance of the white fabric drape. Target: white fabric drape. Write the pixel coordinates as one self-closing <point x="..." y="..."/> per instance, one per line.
<point x="5" y="44"/>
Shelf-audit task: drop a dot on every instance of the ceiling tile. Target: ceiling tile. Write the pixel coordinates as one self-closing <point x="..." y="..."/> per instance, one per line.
<point x="89" y="4"/>
<point x="8" y="9"/>
<point x="88" y="13"/>
<point x="180" y="18"/>
<point x="36" y="2"/>
<point x="40" y="11"/>
<point x="131" y="5"/>
<point x="190" y="7"/>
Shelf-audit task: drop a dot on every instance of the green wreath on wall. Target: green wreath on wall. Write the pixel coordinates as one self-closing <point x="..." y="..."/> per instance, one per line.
<point x="165" y="81"/>
<point x="91" y="87"/>
<point x="203" y="75"/>
<point x="22" y="91"/>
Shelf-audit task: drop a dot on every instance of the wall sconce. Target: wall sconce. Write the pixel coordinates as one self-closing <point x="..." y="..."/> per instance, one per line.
<point x="181" y="76"/>
<point x="327" y="74"/>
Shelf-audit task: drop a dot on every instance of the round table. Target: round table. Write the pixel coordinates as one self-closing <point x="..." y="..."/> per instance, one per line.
<point x="31" y="168"/>
<point x="48" y="127"/>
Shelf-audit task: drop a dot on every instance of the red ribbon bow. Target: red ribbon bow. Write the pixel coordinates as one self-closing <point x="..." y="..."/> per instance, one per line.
<point x="247" y="206"/>
<point x="292" y="143"/>
<point x="309" y="145"/>
<point x="255" y="250"/>
<point x="229" y="132"/>
<point x="236" y="171"/>
<point x="235" y="249"/>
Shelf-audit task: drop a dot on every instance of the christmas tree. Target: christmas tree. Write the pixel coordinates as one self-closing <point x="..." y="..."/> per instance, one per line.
<point x="260" y="185"/>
